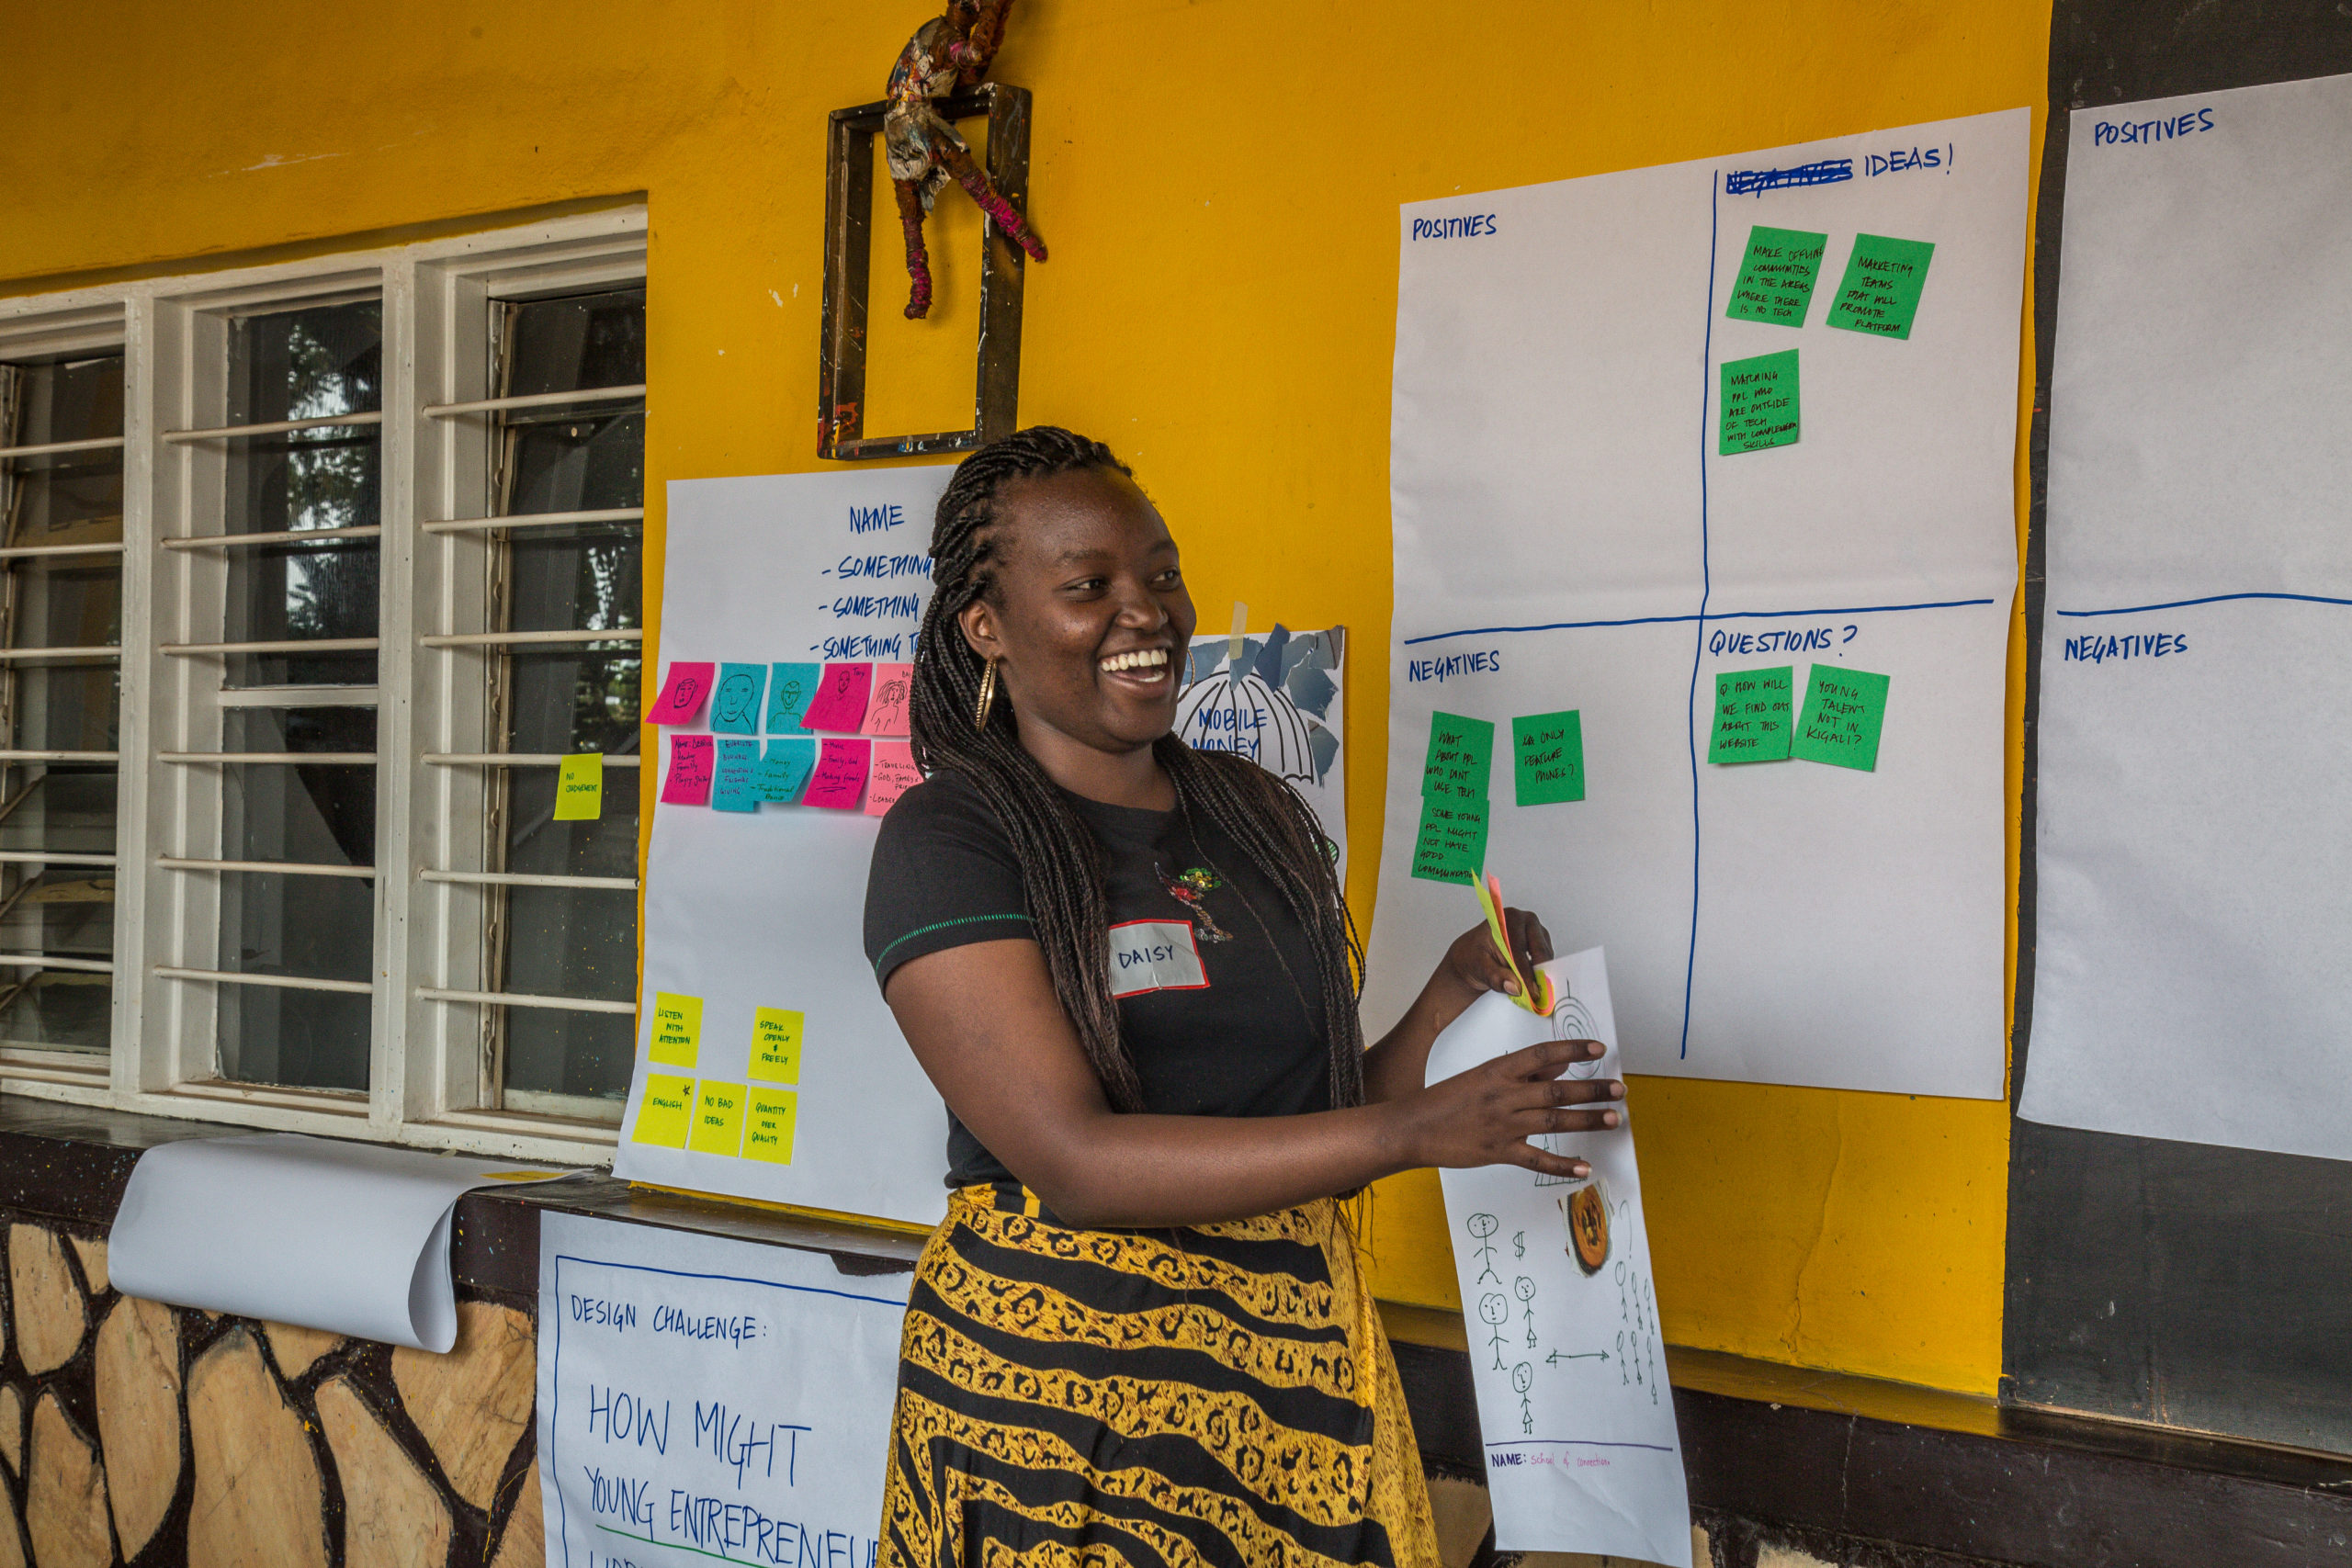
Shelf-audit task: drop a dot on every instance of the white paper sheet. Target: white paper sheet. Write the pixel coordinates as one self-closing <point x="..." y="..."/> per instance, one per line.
<point x="2195" y="874"/>
<point x="1569" y="538"/>
<point x="353" y="1238"/>
<point x="1582" y="1454"/>
<point x="1294" y="726"/>
<point x="704" y="1399"/>
<point x="767" y="908"/>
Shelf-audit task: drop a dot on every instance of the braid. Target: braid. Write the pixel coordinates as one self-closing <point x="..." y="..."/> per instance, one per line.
<point x="1061" y="872"/>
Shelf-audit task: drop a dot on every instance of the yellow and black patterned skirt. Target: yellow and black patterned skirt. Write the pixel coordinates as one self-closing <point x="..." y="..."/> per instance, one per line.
<point x="1219" y="1394"/>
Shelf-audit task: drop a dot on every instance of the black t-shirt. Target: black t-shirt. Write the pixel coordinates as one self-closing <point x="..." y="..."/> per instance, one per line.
<point x="1219" y="1002"/>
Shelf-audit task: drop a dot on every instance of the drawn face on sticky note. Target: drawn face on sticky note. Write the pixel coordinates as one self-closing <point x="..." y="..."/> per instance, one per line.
<point x="682" y="695"/>
<point x="735" y="709"/>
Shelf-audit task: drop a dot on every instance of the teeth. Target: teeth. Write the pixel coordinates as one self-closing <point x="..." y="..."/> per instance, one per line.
<point x="1150" y="657"/>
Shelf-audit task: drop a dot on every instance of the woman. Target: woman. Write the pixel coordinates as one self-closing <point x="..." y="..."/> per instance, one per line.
<point x="1140" y="1335"/>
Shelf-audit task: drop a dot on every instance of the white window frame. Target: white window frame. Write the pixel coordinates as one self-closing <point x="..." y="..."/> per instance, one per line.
<point x="428" y="1079"/>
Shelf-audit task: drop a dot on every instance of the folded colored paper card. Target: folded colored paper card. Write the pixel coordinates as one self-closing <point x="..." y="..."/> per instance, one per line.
<point x="735" y="710"/>
<point x="840" y="702"/>
<point x="690" y="767"/>
<point x="682" y="695"/>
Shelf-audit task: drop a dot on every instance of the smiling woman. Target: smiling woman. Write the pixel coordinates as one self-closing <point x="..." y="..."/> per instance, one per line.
<point x="1140" y="1335"/>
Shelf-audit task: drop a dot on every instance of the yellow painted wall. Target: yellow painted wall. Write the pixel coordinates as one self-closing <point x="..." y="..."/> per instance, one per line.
<point x="1218" y="180"/>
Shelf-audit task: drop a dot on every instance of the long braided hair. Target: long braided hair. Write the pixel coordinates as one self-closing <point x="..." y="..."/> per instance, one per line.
<point x="1060" y="862"/>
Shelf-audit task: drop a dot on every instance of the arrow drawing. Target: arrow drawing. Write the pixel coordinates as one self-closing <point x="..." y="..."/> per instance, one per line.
<point x="1555" y="1357"/>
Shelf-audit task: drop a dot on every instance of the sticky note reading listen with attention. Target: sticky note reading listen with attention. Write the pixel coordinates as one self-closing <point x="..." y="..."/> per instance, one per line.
<point x="790" y="687"/>
<point x="1460" y="756"/>
<point x="1452" y="845"/>
<point x="840" y="778"/>
<point x="839" y="702"/>
<point x="718" y="1119"/>
<point x="735" y="709"/>
<point x="892" y="776"/>
<point x="1547" y="758"/>
<point x="665" y="1112"/>
<point x="776" y="1045"/>
<point x="767" y="1125"/>
<point x="1760" y="403"/>
<point x="580" y="787"/>
<point x="1752" y="712"/>
<point x="1776" y="276"/>
<point x="1844" y="710"/>
<point x="1880" y="293"/>
<point x="682" y="695"/>
<point x="783" y="772"/>
<point x="689" y="780"/>
<point x="732" y="786"/>
<point x="677" y="1029"/>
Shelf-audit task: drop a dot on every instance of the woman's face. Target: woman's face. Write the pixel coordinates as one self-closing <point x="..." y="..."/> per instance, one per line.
<point x="1090" y="615"/>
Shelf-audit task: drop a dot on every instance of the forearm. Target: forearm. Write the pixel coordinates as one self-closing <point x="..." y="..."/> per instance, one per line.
<point x="1398" y="1061"/>
<point x="1120" y="1171"/>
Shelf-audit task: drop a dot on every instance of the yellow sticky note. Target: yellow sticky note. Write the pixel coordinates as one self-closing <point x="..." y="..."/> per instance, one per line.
<point x="677" y="1029"/>
<point x="662" y="1115"/>
<point x="718" y="1119"/>
<point x="775" y="1045"/>
<point x="580" y="787"/>
<point x="767" y="1125"/>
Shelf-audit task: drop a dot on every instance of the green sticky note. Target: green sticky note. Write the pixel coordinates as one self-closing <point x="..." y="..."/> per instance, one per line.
<point x="1880" y="293"/>
<point x="1547" y="758"/>
<point x="677" y="1029"/>
<point x="1752" y="711"/>
<point x="1451" y="843"/>
<point x="718" y="1119"/>
<point x="1459" y="757"/>
<point x="1843" y="711"/>
<point x="1776" y="276"/>
<point x="1760" y="403"/>
<point x="580" y="787"/>
<point x="775" y="1043"/>
<point x="664" y="1112"/>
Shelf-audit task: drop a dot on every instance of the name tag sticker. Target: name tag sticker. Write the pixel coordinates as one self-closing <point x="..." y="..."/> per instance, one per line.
<point x="1155" y="955"/>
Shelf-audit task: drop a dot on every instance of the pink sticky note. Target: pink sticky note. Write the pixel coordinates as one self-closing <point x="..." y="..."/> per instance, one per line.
<point x="839" y="777"/>
<point x="886" y="715"/>
<point x="893" y="774"/>
<point x="840" y="702"/>
<point x="683" y="695"/>
<point x="689" y="780"/>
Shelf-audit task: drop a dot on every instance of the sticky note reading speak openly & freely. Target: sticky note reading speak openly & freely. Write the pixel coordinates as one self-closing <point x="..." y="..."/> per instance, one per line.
<point x="689" y="780"/>
<point x="735" y="709"/>
<point x="887" y="713"/>
<point x="580" y="787"/>
<point x="790" y="687"/>
<point x="893" y="774"/>
<point x="840" y="778"/>
<point x="733" y="787"/>
<point x="840" y="702"/>
<point x="775" y="1043"/>
<point x="783" y="772"/>
<point x="682" y="695"/>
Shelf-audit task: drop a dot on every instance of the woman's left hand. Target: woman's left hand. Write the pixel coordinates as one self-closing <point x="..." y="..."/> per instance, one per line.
<point x="1473" y="960"/>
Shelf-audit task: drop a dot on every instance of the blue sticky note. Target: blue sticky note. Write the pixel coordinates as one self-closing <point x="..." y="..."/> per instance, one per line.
<point x="732" y="787"/>
<point x="735" y="702"/>
<point x="789" y="688"/>
<point x="782" y="773"/>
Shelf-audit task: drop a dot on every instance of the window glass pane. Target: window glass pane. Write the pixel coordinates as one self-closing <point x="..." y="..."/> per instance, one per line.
<point x="307" y="363"/>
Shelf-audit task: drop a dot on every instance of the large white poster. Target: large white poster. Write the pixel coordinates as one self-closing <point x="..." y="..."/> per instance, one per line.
<point x="768" y="1066"/>
<point x="1704" y="482"/>
<point x="2195" y="898"/>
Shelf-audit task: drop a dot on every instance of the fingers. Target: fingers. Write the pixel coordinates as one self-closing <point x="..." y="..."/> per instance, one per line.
<point x="1549" y="1163"/>
<point x="1574" y="1091"/>
<point x="1560" y="1119"/>
<point x="1529" y="940"/>
<point x="1476" y="959"/>
<point x="1548" y="1058"/>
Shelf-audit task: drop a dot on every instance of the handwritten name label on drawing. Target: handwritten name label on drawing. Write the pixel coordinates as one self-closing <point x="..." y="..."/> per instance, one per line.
<point x="1155" y="955"/>
<point x="2098" y="649"/>
<point x="1468" y="228"/>
<point x="2145" y="132"/>
<point x="1485" y="661"/>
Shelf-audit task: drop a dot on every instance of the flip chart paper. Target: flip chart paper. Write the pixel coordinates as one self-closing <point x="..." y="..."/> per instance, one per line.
<point x="768" y="1124"/>
<point x="718" y="1119"/>
<point x="580" y="787"/>
<point x="893" y="774"/>
<point x="2193" y="862"/>
<point x="1880" y="293"/>
<point x="735" y="710"/>
<point x="790" y="687"/>
<point x="1759" y="402"/>
<point x="839" y="702"/>
<point x="1279" y="703"/>
<point x="734" y="782"/>
<point x="840" y="778"/>
<point x="802" y="570"/>
<point x="1460" y="759"/>
<point x="1568" y="534"/>
<point x="886" y="713"/>
<point x="795" y="1361"/>
<point x="665" y="1110"/>
<point x="1547" y="758"/>
<point x="783" y="772"/>
<point x="690" y="765"/>
<point x="677" y="1029"/>
<point x="1776" y="276"/>
<point x="776" y="1045"/>
<point x="683" y="695"/>
<point x="1843" y="711"/>
<point x="1452" y="845"/>
<point x="1753" y="709"/>
<point x="1582" y="1451"/>
<point x="352" y="1238"/>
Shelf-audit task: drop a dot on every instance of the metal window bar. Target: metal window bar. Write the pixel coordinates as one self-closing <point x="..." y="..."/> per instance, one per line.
<point x="523" y="759"/>
<point x="313" y="759"/>
<point x="59" y="449"/>
<point x="534" y="401"/>
<point x="16" y="755"/>
<point x="523" y="999"/>
<point x="279" y="982"/>
<point x="28" y="655"/>
<point x="526" y="879"/>
<point x="511" y="640"/>
<point x="288" y="644"/>
<point x="279" y="536"/>
<point x="275" y="427"/>
<point x="52" y="857"/>
<point x="534" y="520"/>
<point x="47" y="961"/>
<point x="28" y="552"/>
<point x="287" y="867"/>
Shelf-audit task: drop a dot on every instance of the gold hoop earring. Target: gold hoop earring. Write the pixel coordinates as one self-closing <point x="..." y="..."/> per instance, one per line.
<point x="987" y="698"/>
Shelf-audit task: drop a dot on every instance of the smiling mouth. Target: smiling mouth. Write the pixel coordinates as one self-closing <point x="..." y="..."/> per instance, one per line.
<point x="1142" y="667"/>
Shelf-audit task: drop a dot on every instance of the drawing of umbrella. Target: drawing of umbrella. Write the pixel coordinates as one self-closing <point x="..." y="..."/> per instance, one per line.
<point x="1235" y="709"/>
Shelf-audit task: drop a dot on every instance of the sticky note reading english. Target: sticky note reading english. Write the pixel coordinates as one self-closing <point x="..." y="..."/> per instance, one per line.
<point x="677" y="1029"/>
<point x="767" y="1125"/>
<point x="1844" y="710"/>
<point x="1460" y="756"/>
<point x="1776" y="276"/>
<point x="1760" y="403"/>
<point x="689" y="780"/>
<point x="735" y="709"/>
<point x="1752" y="712"/>
<point x="580" y="787"/>
<point x="1547" y="758"/>
<point x="790" y="687"/>
<point x="718" y="1119"/>
<point x="682" y="695"/>
<point x="776" y="1045"/>
<point x="1880" y="293"/>
<point x="665" y="1112"/>
<point x="783" y="772"/>
<point x="734" y="785"/>
<point x="1451" y="843"/>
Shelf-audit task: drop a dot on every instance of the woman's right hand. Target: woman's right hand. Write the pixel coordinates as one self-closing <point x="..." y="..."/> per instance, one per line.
<point x="1486" y="1115"/>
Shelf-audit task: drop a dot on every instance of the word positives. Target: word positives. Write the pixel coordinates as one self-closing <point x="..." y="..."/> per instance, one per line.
<point x="1466" y="228"/>
<point x="2144" y="132"/>
<point x="754" y="1119"/>
<point x="833" y="732"/>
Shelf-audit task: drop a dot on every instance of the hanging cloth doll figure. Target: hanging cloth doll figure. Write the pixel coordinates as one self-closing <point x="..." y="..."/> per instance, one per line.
<point x="947" y="54"/>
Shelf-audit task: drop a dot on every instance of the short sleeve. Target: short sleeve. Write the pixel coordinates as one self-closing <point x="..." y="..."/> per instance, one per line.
<point x="944" y="876"/>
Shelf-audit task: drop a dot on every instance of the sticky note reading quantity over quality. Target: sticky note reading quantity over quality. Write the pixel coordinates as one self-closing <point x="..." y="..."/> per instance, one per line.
<point x="682" y="695"/>
<point x="1452" y="845"/>
<point x="1760" y="403"/>
<point x="665" y="1112"/>
<point x="892" y="776"/>
<point x="840" y="702"/>
<point x="677" y="1029"/>
<point x="718" y="1119"/>
<point x="735" y="710"/>
<point x="1752" y="712"/>
<point x="790" y="687"/>
<point x="783" y="772"/>
<point x="1547" y="758"/>
<point x="767" y="1125"/>
<point x="1460" y="756"/>
<point x="886" y="713"/>
<point x="840" y="778"/>
<point x="733" y="786"/>
<point x="1880" y="293"/>
<point x="1776" y="276"/>
<point x="580" y="787"/>
<point x="776" y="1045"/>
<point x="1844" y="710"/>
<point x="689" y="780"/>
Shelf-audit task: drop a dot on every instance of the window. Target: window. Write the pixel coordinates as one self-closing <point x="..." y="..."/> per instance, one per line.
<point x="311" y="575"/>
